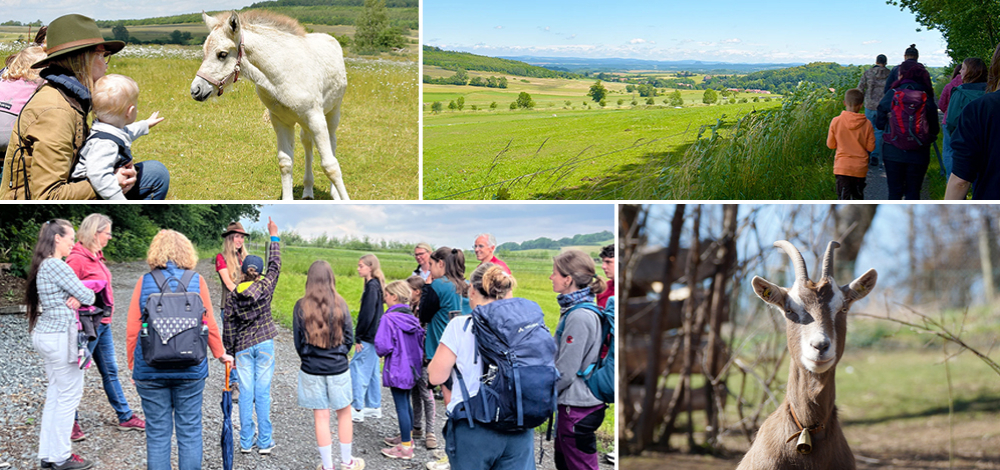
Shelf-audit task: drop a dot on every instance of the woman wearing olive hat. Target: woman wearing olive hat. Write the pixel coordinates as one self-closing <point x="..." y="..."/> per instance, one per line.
<point x="53" y="126"/>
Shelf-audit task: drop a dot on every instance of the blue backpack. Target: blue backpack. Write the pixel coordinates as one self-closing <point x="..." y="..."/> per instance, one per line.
<point x="517" y="390"/>
<point x="600" y="376"/>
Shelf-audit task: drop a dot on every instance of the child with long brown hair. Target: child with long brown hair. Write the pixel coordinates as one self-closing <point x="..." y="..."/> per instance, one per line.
<point x="321" y="325"/>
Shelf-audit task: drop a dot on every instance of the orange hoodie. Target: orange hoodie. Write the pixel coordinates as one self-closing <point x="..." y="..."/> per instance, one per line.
<point x="853" y="137"/>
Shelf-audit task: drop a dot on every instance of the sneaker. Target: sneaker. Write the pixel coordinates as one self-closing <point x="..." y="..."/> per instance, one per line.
<point x="399" y="452"/>
<point x="235" y="388"/>
<point x="372" y="412"/>
<point x="357" y="416"/>
<point x="439" y="465"/>
<point x="77" y="435"/>
<point x="75" y="462"/>
<point x="417" y="433"/>
<point x="356" y="464"/>
<point x="45" y="464"/>
<point x="133" y="424"/>
<point x="393" y="441"/>
<point x="266" y="450"/>
<point x="440" y="454"/>
<point x="246" y="451"/>
<point x="431" y="442"/>
<point x="873" y="162"/>
<point x="610" y="457"/>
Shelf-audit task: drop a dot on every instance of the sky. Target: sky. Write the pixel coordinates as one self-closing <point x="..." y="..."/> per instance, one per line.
<point x="454" y="225"/>
<point x="27" y="11"/>
<point x="735" y="31"/>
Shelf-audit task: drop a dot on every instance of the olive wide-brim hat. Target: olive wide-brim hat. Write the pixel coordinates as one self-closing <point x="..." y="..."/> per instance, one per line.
<point x="70" y="34"/>
<point x="234" y="227"/>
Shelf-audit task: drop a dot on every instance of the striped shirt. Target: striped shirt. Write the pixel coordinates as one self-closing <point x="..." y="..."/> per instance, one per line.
<point x="56" y="284"/>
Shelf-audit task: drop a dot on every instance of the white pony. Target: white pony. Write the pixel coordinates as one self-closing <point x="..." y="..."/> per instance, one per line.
<point x="300" y="78"/>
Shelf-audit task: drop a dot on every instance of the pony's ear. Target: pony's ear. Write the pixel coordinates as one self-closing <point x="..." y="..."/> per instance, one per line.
<point x="210" y="21"/>
<point x="234" y="23"/>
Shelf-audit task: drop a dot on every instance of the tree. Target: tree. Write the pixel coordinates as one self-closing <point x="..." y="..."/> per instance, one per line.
<point x="650" y="100"/>
<point x="972" y="29"/>
<point x="620" y="101"/>
<point x="630" y="88"/>
<point x="675" y="98"/>
<point x="120" y="32"/>
<point x="603" y="103"/>
<point x="524" y="100"/>
<point x="502" y="82"/>
<point x="372" y="30"/>
<point x="452" y="106"/>
<point x="634" y="102"/>
<point x="493" y="105"/>
<point x="436" y="107"/>
<point x="597" y="91"/>
<point x="477" y="81"/>
<point x="460" y="103"/>
<point x="513" y="105"/>
<point x="176" y="37"/>
<point x="710" y="96"/>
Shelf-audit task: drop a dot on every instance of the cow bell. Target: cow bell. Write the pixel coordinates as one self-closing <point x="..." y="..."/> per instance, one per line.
<point x="804" y="445"/>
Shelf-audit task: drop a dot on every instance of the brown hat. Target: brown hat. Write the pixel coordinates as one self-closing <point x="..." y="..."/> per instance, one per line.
<point x="234" y="227"/>
<point x="73" y="33"/>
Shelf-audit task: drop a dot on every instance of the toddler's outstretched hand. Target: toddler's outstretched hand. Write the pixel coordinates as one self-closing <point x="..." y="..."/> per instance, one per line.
<point x="154" y="119"/>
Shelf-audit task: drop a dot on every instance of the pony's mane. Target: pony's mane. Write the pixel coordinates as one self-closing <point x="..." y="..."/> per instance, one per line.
<point x="267" y="19"/>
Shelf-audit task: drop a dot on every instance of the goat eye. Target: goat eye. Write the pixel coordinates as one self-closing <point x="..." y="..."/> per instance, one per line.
<point x="223" y="55"/>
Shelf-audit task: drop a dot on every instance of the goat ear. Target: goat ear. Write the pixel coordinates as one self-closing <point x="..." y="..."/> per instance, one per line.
<point x="769" y="292"/>
<point x="210" y="21"/>
<point x="234" y="22"/>
<point x="861" y="286"/>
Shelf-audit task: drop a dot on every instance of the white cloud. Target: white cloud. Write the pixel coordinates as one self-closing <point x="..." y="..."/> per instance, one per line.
<point x="873" y="41"/>
<point x="637" y="41"/>
<point x="731" y="41"/>
<point x="498" y="27"/>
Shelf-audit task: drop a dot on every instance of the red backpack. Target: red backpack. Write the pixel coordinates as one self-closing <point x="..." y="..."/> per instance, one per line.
<point x="908" y="126"/>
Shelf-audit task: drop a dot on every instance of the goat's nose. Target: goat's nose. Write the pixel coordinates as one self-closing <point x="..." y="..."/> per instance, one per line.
<point x="820" y="345"/>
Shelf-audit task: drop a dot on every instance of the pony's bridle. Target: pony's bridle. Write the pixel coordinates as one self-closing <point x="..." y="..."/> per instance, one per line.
<point x="233" y="77"/>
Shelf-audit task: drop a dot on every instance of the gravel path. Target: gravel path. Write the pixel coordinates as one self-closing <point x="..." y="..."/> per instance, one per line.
<point x="877" y="188"/>
<point x="22" y="385"/>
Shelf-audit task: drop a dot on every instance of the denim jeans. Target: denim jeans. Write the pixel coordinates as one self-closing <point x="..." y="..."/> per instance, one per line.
<point x="62" y="396"/>
<point x="366" y="378"/>
<point x="103" y="349"/>
<point x="946" y="153"/>
<point x="152" y="180"/>
<point x="481" y="448"/>
<point x="255" y="366"/>
<point x="172" y="405"/>
<point x="877" y="153"/>
<point x="401" y="397"/>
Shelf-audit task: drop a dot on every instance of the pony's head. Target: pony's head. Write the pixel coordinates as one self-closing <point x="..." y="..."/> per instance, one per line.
<point x="223" y="53"/>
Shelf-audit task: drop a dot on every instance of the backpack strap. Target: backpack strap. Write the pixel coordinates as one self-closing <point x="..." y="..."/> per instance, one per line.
<point x="461" y="380"/>
<point x="161" y="280"/>
<point x="596" y="310"/>
<point x="123" y="150"/>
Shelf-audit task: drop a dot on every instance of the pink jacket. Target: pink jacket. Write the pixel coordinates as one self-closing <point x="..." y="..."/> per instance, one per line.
<point x="90" y="267"/>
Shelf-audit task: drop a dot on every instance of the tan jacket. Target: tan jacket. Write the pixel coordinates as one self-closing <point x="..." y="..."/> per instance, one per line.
<point x="54" y="128"/>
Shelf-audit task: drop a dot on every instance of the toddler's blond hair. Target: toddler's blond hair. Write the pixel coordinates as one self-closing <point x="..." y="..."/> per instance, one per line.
<point x="112" y="96"/>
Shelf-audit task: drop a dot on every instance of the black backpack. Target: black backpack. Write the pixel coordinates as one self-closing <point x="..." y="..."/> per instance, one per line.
<point x="173" y="333"/>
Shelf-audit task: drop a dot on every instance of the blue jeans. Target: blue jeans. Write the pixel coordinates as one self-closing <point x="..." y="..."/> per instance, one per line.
<point x="877" y="153"/>
<point x="481" y="448"/>
<point x="103" y="349"/>
<point x="946" y="153"/>
<point x="169" y="405"/>
<point x="152" y="180"/>
<point x="401" y="397"/>
<point x="366" y="379"/>
<point x="255" y="366"/>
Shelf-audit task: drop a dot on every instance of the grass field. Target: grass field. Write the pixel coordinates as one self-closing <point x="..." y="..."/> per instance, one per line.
<point x="225" y="148"/>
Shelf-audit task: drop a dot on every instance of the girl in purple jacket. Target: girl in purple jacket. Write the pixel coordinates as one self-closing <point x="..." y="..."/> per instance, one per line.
<point x="400" y="341"/>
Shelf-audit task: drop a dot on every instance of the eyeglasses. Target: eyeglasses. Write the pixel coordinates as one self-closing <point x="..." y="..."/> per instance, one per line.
<point x="108" y="233"/>
<point x="417" y="255"/>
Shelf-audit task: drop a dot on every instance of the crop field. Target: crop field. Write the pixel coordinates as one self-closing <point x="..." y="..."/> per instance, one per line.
<point x="225" y="148"/>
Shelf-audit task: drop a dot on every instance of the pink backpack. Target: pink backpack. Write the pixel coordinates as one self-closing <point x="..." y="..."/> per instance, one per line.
<point x="14" y="94"/>
<point x="908" y="126"/>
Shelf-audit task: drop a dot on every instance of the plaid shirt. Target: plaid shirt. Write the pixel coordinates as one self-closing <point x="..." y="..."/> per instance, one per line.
<point x="247" y="319"/>
<point x="56" y="284"/>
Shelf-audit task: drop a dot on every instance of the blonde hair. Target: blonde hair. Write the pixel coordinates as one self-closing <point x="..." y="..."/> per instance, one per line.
<point x="491" y="281"/>
<point x="170" y="245"/>
<point x="401" y="289"/>
<point x="20" y="65"/>
<point x="233" y="256"/>
<point x="92" y="224"/>
<point x="579" y="266"/>
<point x="79" y="64"/>
<point x="371" y="261"/>
<point x="112" y="96"/>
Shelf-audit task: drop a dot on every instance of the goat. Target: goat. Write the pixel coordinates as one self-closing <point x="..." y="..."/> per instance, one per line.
<point x="816" y="326"/>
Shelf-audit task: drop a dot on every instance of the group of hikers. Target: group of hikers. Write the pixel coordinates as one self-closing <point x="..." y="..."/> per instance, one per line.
<point x="901" y="124"/>
<point x="435" y="328"/>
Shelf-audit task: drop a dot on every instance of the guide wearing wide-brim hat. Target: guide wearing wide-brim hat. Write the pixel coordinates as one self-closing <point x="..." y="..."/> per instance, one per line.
<point x="234" y="227"/>
<point x="70" y="34"/>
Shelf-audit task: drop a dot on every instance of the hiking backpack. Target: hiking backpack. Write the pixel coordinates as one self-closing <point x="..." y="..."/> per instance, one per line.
<point x="173" y="335"/>
<point x="960" y="98"/>
<point x="517" y="390"/>
<point x="908" y="126"/>
<point x="600" y="376"/>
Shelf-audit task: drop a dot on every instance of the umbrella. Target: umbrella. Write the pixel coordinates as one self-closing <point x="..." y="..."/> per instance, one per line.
<point x="227" y="423"/>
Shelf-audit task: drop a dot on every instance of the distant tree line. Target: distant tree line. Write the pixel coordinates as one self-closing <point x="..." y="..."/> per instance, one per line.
<point x="544" y="243"/>
<point x="347" y="242"/>
<point x="461" y="78"/>
<point x="456" y="61"/>
<point x="18" y="23"/>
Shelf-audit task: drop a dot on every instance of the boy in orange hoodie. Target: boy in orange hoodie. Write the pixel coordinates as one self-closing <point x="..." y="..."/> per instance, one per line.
<point x="852" y="135"/>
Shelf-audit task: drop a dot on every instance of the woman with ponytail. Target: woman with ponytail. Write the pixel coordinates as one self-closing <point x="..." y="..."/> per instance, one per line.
<point x="321" y="325"/>
<point x="364" y="367"/>
<point x="578" y="342"/>
<point x="444" y="298"/>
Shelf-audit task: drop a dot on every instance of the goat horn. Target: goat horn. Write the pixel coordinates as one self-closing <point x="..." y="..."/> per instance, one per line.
<point x="828" y="259"/>
<point x="800" y="264"/>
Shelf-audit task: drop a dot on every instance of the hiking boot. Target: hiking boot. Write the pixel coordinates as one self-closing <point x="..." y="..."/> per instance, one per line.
<point x="393" y="441"/>
<point x="266" y="450"/>
<point x="374" y="413"/>
<point x="417" y="433"/>
<point x="356" y="464"/>
<point x="399" y="452"/>
<point x="439" y="465"/>
<point x="133" y="424"/>
<point x="357" y="416"/>
<point x="75" y="462"/>
<point x="77" y="435"/>
<point x="431" y="442"/>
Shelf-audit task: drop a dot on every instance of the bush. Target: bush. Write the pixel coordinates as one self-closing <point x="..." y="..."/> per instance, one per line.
<point x="493" y="105"/>
<point x="513" y="105"/>
<point x="436" y="107"/>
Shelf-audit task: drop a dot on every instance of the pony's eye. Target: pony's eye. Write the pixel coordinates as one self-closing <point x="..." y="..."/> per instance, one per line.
<point x="223" y="55"/>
